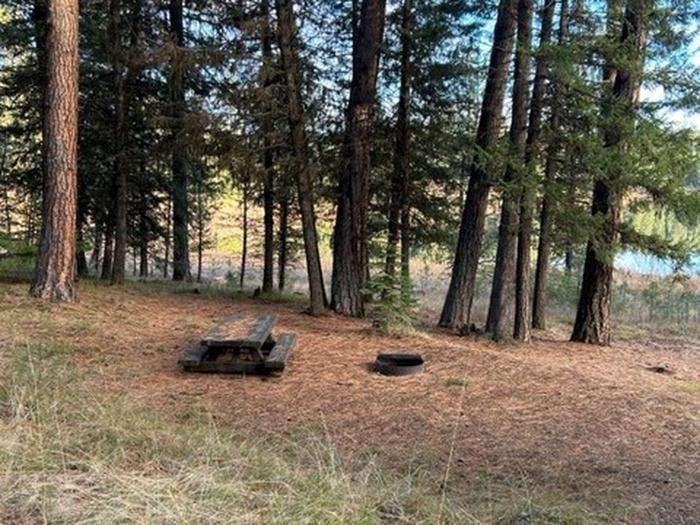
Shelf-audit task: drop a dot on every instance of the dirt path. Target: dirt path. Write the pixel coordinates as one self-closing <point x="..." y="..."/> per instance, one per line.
<point x="589" y="422"/>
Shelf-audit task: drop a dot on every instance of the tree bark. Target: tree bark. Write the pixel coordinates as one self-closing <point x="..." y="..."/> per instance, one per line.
<point x="504" y="269"/>
<point x="521" y="329"/>
<point x="166" y="240"/>
<point x="406" y="236"/>
<point x="40" y="20"/>
<point x="282" y="239"/>
<point x="286" y="33"/>
<point x="350" y="249"/>
<point x="244" y="249"/>
<point x="200" y="252"/>
<point x="539" y="300"/>
<point x="94" y="263"/>
<point x="143" y="247"/>
<point x="81" y="263"/>
<point x="400" y="182"/>
<point x="593" y="317"/>
<point x="55" y="270"/>
<point x="143" y="258"/>
<point x="119" y="144"/>
<point x="268" y="159"/>
<point x="457" y="308"/>
<point x="106" y="273"/>
<point x="181" y="250"/>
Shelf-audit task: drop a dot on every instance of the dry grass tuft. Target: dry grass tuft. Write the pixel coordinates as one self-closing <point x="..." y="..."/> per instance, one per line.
<point x="562" y="433"/>
<point x="72" y="454"/>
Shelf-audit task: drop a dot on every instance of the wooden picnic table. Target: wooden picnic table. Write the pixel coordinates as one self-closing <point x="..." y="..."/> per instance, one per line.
<point x="240" y="344"/>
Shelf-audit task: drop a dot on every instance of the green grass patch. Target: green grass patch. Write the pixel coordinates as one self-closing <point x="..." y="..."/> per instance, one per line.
<point x="457" y="381"/>
<point x="17" y="259"/>
<point x="690" y="387"/>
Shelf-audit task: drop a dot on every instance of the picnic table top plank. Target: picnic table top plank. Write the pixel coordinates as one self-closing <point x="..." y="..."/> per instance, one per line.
<point x="234" y="331"/>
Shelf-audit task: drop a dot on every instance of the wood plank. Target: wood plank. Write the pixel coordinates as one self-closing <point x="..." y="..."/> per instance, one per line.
<point x="229" y="367"/>
<point x="193" y="356"/>
<point x="282" y="351"/>
<point x="237" y="332"/>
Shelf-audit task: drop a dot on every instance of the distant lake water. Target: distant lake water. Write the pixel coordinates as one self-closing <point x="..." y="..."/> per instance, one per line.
<point x="648" y="264"/>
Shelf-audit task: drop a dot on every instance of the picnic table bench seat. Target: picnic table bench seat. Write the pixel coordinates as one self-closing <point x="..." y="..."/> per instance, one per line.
<point x="277" y="359"/>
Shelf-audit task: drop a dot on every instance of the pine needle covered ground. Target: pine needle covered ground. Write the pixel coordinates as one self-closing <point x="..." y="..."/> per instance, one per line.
<point x="98" y="424"/>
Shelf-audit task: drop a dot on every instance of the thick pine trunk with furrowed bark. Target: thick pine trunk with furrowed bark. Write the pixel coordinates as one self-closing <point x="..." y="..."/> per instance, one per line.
<point x="181" y="249"/>
<point x="504" y="269"/>
<point x="457" y="308"/>
<point x="544" y="247"/>
<point x="400" y="176"/>
<point x="55" y="270"/>
<point x="350" y="248"/>
<point x="593" y="317"/>
<point x="287" y="35"/>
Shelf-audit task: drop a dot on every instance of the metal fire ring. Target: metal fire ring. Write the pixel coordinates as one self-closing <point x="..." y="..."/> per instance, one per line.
<point x="399" y="364"/>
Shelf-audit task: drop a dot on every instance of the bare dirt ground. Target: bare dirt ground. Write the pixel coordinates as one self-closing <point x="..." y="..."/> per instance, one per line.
<point x="591" y="423"/>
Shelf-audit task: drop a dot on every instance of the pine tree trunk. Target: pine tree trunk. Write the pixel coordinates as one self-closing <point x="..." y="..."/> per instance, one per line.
<point x="143" y="258"/>
<point x="81" y="262"/>
<point x="282" y="236"/>
<point x="504" y="270"/>
<point x="268" y="160"/>
<point x="181" y="250"/>
<point x="539" y="300"/>
<point x="400" y="177"/>
<point x="593" y="317"/>
<point x="94" y="263"/>
<point x="55" y="270"/>
<point x="521" y="330"/>
<point x="200" y="251"/>
<point x="81" y="259"/>
<point x="569" y="260"/>
<point x="119" y="144"/>
<point x="350" y="249"/>
<point x="143" y="245"/>
<point x="244" y="250"/>
<point x="106" y="273"/>
<point x="460" y="295"/>
<point x="287" y="43"/>
<point x="40" y="20"/>
<point x="405" y="237"/>
<point x="166" y="240"/>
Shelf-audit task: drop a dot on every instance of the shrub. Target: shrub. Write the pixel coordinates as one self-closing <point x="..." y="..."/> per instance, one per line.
<point x="393" y="306"/>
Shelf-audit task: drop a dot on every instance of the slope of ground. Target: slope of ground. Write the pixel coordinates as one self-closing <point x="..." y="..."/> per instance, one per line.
<point x="580" y="424"/>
